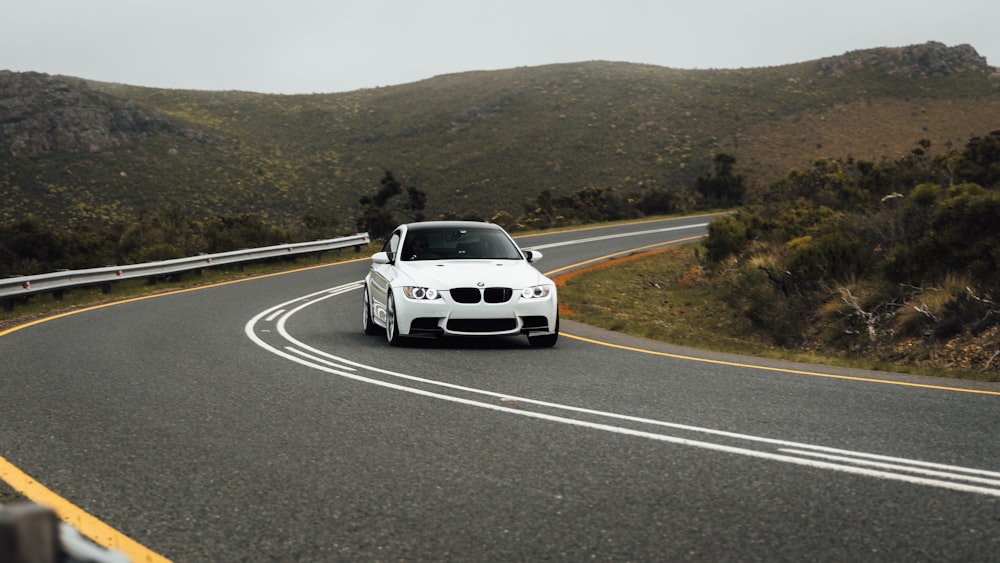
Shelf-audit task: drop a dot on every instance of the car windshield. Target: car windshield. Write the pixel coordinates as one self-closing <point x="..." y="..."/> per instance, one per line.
<point x="458" y="244"/>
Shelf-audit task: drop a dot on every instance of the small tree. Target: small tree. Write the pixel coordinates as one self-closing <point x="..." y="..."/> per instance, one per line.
<point x="378" y="214"/>
<point x="724" y="188"/>
<point x="726" y="236"/>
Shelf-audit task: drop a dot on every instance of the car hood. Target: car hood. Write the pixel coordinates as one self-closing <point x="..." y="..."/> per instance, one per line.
<point x="446" y="274"/>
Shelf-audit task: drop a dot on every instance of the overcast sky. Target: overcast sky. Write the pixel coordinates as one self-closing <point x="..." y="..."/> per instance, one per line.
<point x="322" y="46"/>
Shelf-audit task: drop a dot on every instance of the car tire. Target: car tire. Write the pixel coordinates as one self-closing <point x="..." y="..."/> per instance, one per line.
<point x="391" y="327"/>
<point x="367" y="323"/>
<point x="545" y="340"/>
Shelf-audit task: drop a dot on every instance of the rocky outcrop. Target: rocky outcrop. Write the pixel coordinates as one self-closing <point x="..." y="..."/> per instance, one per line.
<point x="40" y="113"/>
<point x="914" y="61"/>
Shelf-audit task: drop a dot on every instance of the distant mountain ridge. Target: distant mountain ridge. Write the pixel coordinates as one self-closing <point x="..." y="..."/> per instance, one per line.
<point x="928" y="59"/>
<point x="73" y="150"/>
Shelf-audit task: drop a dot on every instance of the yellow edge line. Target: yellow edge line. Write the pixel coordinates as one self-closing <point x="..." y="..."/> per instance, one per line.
<point x="648" y="248"/>
<point x="88" y="525"/>
<point x="165" y="293"/>
<point x="782" y="370"/>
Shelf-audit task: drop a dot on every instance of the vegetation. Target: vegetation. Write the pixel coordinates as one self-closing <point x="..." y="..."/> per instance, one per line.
<point x="113" y="173"/>
<point x="669" y="296"/>
<point x="379" y="217"/>
<point x="896" y="262"/>
<point x="847" y="236"/>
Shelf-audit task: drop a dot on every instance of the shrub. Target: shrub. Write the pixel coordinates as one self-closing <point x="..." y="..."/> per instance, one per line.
<point x="758" y="290"/>
<point x="835" y="252"/>
<point x="726" y="236"/>
<point x="856" y="314"/>
<point x="945" y="309"/>
<point x="159" y="252"/>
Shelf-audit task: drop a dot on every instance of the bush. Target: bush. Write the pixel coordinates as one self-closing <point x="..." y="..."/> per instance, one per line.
<point x="835" y="252"/>
<point x="726" y="236"/>
<point x="957" y="234"/>
<point x="856" y="314"/>
<point x="759" y="291"/>
<point x="159" y="252"/>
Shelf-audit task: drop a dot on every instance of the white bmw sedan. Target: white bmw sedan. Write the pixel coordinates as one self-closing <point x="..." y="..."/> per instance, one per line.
<point x="458" y="278"/>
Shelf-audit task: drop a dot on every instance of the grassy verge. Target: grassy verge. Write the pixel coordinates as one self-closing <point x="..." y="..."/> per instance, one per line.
<point x="663" y="295"/>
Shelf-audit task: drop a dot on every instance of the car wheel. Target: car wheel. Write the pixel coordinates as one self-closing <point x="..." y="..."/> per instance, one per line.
<point x="367" y="323"/>
<point x="545" y="340"/>
<point x="391" y="328"/>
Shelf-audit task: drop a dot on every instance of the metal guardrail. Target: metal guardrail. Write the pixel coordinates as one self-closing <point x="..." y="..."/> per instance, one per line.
<point x="59" y="281"/>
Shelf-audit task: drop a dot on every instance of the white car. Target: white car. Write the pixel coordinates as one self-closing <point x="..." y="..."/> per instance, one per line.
<point x="458" y="278"/>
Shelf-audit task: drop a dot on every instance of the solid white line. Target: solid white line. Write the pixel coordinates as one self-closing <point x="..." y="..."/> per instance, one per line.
<point x="906" y="466"/>
<point x="345" y="288"/>
<point x="621" y="235"/>
<point x="315" y="359"/>
<point x="337" y="369"/>
<point x="993" y="474"/>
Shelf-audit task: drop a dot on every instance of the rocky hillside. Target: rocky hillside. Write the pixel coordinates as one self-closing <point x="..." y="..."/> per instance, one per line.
<point x="40" y="115"/>
<point x="72" y="150"/>
<point x="914" y="61"/>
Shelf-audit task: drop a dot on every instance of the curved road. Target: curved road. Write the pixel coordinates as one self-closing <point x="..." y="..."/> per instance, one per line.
<point x="254" y="421"/>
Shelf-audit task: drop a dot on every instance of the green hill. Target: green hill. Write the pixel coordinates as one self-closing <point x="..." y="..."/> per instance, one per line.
<point x="78" y="152"/>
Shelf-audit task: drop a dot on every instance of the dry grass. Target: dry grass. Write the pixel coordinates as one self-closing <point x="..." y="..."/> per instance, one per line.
<point x="663" y="295"/>
<point x="668" y="296"/>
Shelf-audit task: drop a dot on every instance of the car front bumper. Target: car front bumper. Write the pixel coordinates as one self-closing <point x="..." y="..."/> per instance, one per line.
<point x="444" y="317"/>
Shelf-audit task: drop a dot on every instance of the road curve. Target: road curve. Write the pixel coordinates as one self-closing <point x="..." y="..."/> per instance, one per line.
<point x="254" y="421"/>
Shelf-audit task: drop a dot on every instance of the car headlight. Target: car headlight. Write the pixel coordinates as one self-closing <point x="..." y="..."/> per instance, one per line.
<point x="421" y="292"/>
<point x="536" y="292"/>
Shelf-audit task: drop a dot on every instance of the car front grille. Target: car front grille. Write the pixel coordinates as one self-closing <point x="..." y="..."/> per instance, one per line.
<point x="470" y="295"/>
<point x="497" y="294"/>
<point x="482" y="325"/>
<point x="466" y="295"/>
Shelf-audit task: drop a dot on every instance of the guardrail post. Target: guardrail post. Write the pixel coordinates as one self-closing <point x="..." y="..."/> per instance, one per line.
<point x="8" y="305"/>
<point x="29" y="532"/>
<point x="32" y="533"/>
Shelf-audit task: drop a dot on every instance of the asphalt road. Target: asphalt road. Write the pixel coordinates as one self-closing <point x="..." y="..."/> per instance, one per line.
<point x="254" y="421"/>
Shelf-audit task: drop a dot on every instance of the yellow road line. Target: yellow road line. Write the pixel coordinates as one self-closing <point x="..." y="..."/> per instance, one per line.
<point x="98" y="531"/>
<point x="777" y="369"/>
<point x="165" y="293"/>
<point x="88" y="525"/>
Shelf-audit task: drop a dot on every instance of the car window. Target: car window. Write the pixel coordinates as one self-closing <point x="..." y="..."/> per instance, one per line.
<point x="451" y="244"/>
<point x="392" y="245"/>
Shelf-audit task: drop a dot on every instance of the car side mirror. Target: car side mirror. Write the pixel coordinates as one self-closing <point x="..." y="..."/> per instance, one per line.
<point x="381" y="258"/>
<point x="533" y="255"/>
